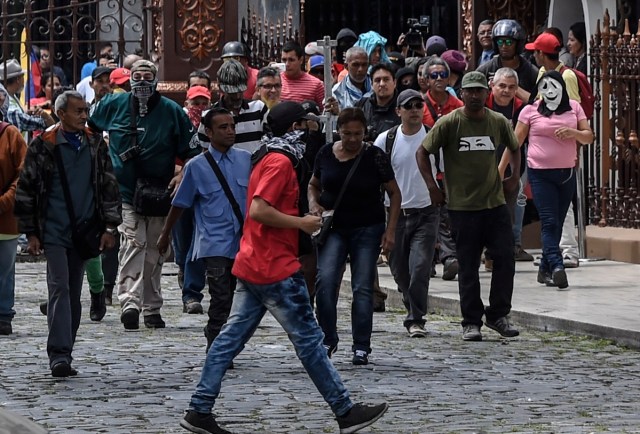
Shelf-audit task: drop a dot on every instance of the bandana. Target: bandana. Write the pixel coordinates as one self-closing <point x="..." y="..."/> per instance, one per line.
<point x="291" y="143"/>
<point x="195" y="116"/>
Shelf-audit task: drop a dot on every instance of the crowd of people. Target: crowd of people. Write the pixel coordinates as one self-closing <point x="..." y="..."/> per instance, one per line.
<point x="431" y="163"/>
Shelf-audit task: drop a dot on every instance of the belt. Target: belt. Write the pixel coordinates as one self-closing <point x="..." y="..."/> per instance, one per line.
<point x="409" y="211"/>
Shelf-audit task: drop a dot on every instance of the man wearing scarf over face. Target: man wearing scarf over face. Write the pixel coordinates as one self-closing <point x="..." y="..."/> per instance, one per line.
<point x="553" y="124"/>
<point x="147" y="132"/>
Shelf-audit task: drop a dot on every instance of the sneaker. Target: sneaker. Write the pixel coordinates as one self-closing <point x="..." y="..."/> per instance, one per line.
<point x="360" y="416"/>
<point x="98" y="307"/>
<point x="360" y="357"/>
<point x="154" y="321"/>
<point x="502" y="326"/>
<point x="5" y="328"/>
<point x="130" y="318"/>
<point x="559" y="278"/>
<point x="201" y="423"/>
<point x="544" y="277"/>
<point x="331" y="349"/>
<point x="521" y="255"/>
<point x="44" y="307"/>
<point x="450" y="269"/>
<point x="417" y="331"/>
<point x="471" y="332"/>
<point x="570" y="262"/>
<point x="192" y="306"/>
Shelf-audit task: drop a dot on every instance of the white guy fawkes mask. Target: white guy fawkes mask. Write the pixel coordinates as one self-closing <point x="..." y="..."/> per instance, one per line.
<point x="551" y="91"/>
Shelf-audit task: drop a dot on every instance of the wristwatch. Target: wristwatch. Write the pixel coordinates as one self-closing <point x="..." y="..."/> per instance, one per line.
<point x="111" y="231"/>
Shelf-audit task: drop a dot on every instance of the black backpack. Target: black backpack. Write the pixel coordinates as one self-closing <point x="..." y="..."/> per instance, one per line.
<point x="391" y="138"/>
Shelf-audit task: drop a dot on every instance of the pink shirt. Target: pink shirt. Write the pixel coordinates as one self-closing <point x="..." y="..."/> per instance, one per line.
<point x="305" y="87"/>
<point x="546" y="151"/>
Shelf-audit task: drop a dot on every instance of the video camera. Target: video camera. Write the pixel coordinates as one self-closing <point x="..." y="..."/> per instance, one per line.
<point x="418" y="28"/>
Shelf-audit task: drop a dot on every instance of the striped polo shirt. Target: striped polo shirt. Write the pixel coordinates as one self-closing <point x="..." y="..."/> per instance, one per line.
<point x="249" y="124"/>
<point x="305" y="87"/>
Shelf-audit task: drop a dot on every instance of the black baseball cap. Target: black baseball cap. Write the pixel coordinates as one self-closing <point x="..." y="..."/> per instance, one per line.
<point x="285" y="114"/>
<point x="100" y="70"/>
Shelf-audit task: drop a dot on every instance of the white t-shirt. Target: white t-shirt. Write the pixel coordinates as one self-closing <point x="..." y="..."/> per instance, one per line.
<point x="403" y="160"/>
<point x="85" y="89"/>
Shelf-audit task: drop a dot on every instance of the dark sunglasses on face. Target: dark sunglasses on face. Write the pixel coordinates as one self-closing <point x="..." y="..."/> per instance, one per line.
<point x="435" y="74"/>
<point x="413" y="105"/>
<point x="506" y="41"/>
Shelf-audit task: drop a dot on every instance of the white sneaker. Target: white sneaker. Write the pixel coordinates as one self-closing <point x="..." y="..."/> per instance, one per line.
<point x="570" y="262"/>
<point x="417" y="331"/>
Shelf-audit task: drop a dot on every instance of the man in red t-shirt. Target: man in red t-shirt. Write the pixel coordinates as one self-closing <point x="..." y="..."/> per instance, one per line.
<point x="297" y="85"/>
<point x="269" y="279"/>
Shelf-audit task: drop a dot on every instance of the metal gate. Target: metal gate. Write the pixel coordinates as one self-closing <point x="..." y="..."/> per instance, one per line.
<point x="71" y="30"/>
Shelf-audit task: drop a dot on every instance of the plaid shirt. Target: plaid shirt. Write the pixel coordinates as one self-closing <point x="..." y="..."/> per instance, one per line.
<point x="21" y="120"/>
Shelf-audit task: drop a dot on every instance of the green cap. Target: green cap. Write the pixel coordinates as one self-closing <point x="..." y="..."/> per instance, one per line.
<point x="474" y="79"/>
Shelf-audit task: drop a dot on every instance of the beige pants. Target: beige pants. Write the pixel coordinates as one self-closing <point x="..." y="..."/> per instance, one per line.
<point x="140" y="266"/>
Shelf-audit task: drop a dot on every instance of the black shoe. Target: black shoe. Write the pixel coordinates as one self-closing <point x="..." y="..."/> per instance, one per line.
<point x="108" y="294"/>
<point x="61" y="370"/>
<point x="450" y="269"/>
<point x="360" y="416"/>
<point x="331" y="349"/>
<point x="130" y="318"/>
<point x="471" y="333"/>
<point x="154" y="321"/>
<point x="192" y="306"/>
<point x="202" y="423"/>
<point x="360" y="357"/>
<point x="379" y="307"/>
<point x="544" y="277"/>
<point x="98" y="307"/>
<point x="5" y="328"/>
<point x="44" y="306"/>
<point x="502" y="326"/>
<point x="559" y="277"/>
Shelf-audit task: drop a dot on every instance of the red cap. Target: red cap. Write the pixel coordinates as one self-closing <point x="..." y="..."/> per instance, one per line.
<point x="119" y="76"/>
<point x="545" y="42"/>
<point x="197" y="91"/>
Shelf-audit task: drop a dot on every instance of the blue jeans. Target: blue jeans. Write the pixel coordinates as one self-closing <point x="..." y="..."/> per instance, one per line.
<point x="288" y="302"/>
<point x="194" y="278"/>
<point x="363" y="247"/>
<point x="411" y="258"/>
<point x="552" y="191"/>
<point x="181" y="237"/>
<point x="8" y="250"/>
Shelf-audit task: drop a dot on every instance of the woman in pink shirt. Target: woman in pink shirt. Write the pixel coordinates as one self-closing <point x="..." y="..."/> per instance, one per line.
<point x="554" y="124"/>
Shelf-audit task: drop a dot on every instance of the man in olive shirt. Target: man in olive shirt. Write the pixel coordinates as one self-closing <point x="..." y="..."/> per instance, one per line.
<point x="469" y="137"/>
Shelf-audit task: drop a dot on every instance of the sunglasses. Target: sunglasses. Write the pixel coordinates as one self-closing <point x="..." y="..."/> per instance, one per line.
<point x="507" y="42"/>
<point x="435" y="74"/>
<point x="271" y="86"/>
<point x="413" y="105"/>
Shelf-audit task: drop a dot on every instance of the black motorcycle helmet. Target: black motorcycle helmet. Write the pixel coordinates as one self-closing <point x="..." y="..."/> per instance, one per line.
<point x="233" y="49"/>
<point x="508" y="29"/>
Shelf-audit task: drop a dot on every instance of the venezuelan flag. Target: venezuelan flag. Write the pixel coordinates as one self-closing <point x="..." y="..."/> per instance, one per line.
<point x="29" y="63"/>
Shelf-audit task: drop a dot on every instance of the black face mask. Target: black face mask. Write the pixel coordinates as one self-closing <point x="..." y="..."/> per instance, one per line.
<point x="305" y="135"/>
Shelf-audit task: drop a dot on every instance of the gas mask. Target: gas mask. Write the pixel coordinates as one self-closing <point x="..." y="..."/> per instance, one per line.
<point x="142" y="91"/>
<point x="551" y="92"/>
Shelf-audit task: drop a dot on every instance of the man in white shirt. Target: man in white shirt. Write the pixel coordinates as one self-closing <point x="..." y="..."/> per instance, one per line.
<point x="410" y="260"/>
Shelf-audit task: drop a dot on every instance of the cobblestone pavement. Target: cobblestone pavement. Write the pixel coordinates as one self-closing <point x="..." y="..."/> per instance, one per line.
<point x="140" y="382"/>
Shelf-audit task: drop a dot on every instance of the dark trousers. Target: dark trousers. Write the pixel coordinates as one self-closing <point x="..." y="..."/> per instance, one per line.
<point x="110" y="264"/>
<point x="445" y="239"/>
<point x="472" y="231"/>
<point x="222" y="284"/>
<point x="411" y="258"/>
<point x="65" y="273"/>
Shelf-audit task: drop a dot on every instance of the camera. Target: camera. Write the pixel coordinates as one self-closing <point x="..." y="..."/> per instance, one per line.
<point x="130" y="153"/>
<point x="418" y="28"/>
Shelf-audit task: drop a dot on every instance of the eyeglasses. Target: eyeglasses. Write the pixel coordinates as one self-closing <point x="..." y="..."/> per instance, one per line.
<point x="504" y="41"/>
<point x="413" y="105"/>
<point x="435" y="74"/>
<point x="271" y="86"/>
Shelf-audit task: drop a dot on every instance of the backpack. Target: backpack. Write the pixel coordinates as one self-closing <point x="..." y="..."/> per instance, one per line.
<point x="587" y="100"/>
<point x="391" y="138"/>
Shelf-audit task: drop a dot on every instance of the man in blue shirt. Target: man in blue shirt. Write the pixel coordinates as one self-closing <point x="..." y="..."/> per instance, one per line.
<point x="218" y="228"/>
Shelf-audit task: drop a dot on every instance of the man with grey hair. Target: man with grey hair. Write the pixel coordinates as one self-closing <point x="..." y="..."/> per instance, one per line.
<point x="355" y="85"/>
<point x="147" y="132"/>
<point x="68" y="180"/>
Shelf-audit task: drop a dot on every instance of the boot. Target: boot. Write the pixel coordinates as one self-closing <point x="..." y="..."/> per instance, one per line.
<point x="98" y="308"/>
<point x="108" y="294"/>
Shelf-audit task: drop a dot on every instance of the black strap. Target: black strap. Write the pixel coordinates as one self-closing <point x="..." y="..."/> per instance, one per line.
<point x="348" y="178"/>
<point x="65" y="187"/>
<point x="391" y="139"/>
<point x="226" y="188"/>
<point x="431" y="109"/>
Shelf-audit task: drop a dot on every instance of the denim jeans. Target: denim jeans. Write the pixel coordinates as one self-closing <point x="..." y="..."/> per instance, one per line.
<point x="8" y="249"/>
<point x="288" y="302"/>
<point x="552" y="191"/>
<point x="181" y="237"/>
<point x="65" y="273"/>
<point x="194" y="278"/>
<point x="221" y="286"/>
<point x="363" y="247"/>
<point x="411" y="258"/>
<point x="472" y="231"/>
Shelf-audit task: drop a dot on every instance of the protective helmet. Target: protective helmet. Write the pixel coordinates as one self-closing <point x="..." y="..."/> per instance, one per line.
<point x="232" y="49"/>
<point x="232" y="77"/>
<point x="508" y="29"/>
